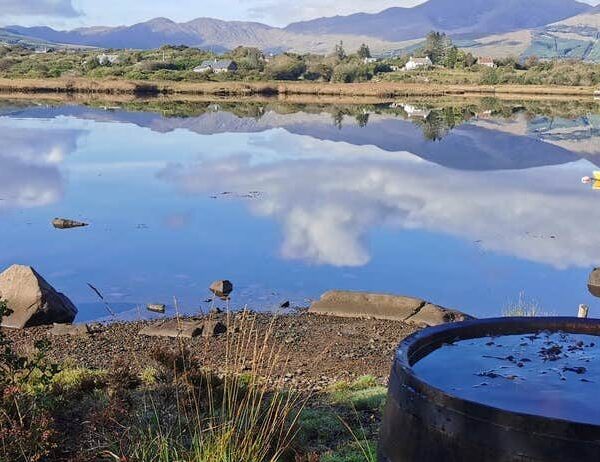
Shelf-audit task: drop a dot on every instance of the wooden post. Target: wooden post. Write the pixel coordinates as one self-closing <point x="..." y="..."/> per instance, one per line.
<point x="584" y="310"/>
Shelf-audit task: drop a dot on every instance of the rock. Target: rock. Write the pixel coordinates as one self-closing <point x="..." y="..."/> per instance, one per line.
<point x="32" y="300"/>
<point x="594" y="283"/>
<point x="285" y="304"/>
<point x="222" y="288"/>
<point x="433" y="315"/>
<point x="74" y="330"/>
<point x="174" y="328"/>
<point x="366" y="305"/>
<point x="382" y="306"/>
<point x="213" y="329"/>
<point x="64" y="223"/>
<point x="157" y="308"/>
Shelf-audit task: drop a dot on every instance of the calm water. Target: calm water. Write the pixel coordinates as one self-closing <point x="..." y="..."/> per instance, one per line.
<point x="470" y="207"/>
<point x="552" y="375"/>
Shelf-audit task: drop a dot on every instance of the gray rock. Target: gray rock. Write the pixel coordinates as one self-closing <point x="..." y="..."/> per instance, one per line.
<point x="366" y="305"/>
<point x="64" y="223"/>
<point x="174" y="328"/>
<point x="434" y="315"/>
<point x="594" y="282"/>
<point x="383" y="306"/>
<point x="74" y="330"/>
<point x="32" y="300"/>
<point x="222" y="288"/>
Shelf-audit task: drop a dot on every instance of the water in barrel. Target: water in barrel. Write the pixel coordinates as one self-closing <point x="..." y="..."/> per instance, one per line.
<point x="545" y="374"/>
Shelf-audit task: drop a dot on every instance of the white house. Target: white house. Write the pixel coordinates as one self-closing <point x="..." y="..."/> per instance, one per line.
<point x="370" y="60"/>
<point x="487" y="61"/>
<point x="416" y="112"/>
<point x="416" y="63"/>
<point x="105" y="60"/>
<point x="218" y="66"/>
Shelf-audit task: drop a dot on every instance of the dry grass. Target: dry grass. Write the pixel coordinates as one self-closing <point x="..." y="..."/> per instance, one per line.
<point x="369" y="89"/>
<point x="524" y="308"/>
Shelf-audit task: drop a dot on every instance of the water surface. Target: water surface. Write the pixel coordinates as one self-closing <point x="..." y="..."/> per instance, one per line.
<point x="545" y="374"/>
<point x="469" y="205"/>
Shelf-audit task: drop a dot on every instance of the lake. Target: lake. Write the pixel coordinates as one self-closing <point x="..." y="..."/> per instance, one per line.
<point x="476" y="205"/>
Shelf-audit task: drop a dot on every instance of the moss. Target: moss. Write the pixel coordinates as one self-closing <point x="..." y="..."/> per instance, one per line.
<point x="362" y="394"/>
<point x="319" y="426"/>
<point x="353" y="452"/>
<point x="79" y="380"/>
<point x="149" y="376"/>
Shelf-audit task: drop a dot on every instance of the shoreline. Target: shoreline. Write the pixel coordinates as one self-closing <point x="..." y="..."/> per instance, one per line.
<point x="382" y="90"/>
<point x="314" y="345"/>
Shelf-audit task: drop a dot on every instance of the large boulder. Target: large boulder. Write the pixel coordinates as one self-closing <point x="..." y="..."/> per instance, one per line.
<point x="594" y="283"/>
<point x="382" y="306"/>
<point x="32" y="300"/>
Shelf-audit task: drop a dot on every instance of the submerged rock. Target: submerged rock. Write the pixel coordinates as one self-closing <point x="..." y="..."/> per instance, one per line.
<point x="383" y="306"/>
<point x="157" y="308"/>
<point x="64" y="223"/>
<point x="32" y="300"/>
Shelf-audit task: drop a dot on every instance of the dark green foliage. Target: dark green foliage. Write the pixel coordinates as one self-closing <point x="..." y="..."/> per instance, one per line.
<point x="364" y="51"/>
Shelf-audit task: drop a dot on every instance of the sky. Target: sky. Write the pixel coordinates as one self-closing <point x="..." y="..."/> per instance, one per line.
<point x="68" y="14"/>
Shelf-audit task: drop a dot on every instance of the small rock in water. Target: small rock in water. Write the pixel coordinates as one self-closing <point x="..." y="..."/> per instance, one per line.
<point x="285" y="304"/>
<point x="221" y="289"/>
<point x="157" y="308"/>
<point x="64" y="223"/>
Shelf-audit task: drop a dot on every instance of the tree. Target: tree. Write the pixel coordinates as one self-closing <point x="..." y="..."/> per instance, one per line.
<point x="364" y="52"/>
<point x="285" y="67"/>
<point x="436" y="47"/>
<point x="339" y="51"/>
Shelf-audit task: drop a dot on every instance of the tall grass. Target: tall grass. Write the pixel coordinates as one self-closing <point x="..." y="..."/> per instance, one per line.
<point x="523" y="308"/>
<point x="234" y="416"/>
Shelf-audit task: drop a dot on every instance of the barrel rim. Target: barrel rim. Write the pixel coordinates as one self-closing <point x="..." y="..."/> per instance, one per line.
<point x="422" y="343"/>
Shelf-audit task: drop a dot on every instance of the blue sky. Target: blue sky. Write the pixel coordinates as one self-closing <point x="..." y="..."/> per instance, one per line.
<point x="76" y="13"/>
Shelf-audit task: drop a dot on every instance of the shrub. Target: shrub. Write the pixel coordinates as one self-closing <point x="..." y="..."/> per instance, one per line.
<point x="27" y="428"/>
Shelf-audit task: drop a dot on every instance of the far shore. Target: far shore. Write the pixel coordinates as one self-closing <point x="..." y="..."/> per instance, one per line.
<point x="376" y="90"/>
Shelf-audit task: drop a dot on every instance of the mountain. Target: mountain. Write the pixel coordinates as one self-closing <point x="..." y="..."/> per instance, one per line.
<point x="498" y="28"/>
<point x="576" y="37"/>
<point x="472" y="18"/>
<point x="13" y="38"/>
<point x="206" y="33"/>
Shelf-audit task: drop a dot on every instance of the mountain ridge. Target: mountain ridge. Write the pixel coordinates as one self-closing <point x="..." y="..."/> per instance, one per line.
<point x="565" y="28"/>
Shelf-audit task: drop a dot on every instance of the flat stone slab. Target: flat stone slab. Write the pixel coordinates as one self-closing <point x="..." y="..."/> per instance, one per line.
<point x="185" y="329"/>
<point x="383" y="306"/>
<point x="73" y="330"/>
<point x="174" y="328"/>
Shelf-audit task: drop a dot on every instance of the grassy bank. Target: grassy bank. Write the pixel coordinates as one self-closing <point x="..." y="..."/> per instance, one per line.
<point x="257" y="393"/>
<point x="368" y="89"/>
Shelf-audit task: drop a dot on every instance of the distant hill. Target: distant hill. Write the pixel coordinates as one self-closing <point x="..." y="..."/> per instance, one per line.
<point x="577" y="37"/>
<point x="206" y="33"/>
<point x="546" y="28"/>
<point x="474" y="18"/>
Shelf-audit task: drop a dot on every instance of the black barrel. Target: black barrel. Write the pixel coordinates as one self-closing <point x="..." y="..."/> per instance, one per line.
<point x="424" y="424"/>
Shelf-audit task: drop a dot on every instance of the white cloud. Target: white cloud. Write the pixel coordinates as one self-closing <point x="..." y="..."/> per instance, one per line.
<point x="328" y="202"/>
<point x="29" y="165"/>
<point x="58" y="8"/>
